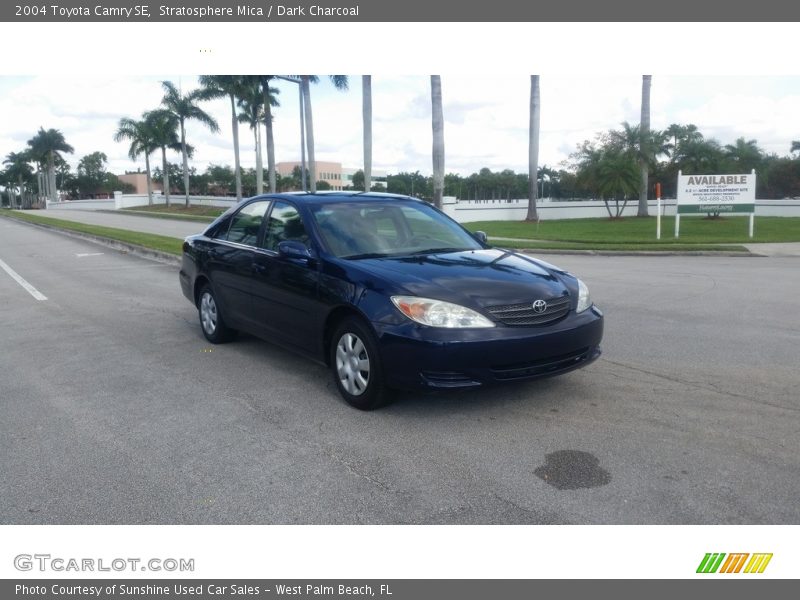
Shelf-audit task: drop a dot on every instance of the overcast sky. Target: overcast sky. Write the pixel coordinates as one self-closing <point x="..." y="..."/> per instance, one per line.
<point x="486" y="118"/>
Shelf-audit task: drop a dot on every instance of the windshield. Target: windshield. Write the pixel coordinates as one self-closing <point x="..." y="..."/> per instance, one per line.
<point x="391" y="228"/>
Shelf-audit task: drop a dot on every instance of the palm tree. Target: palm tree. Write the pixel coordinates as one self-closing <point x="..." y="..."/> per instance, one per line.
<point x="533" y="148"/>
<point x="253" y="113"/>
<point x="744" y="155"/>
<point x="234" y="87"/>
<point x="618" y="176"/>
<point x="268" y="102"/>
<point x="644" y="133"/>
<point x="437" y="125"/>
<point x="184" y="108"/>
<point x="163" y="127"/>
<point x="340" y="83"/>
<point x="795" y="146"/>
<point x="20" y="171"/>
<point x="140" y="134"/>
<point x="366" y="113"/>
<point x="45" y="146"/>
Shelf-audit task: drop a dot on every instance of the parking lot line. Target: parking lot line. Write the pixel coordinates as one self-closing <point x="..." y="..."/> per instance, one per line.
<point x="20" y="280"/>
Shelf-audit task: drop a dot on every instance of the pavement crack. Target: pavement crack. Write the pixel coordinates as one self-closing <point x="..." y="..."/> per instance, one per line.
<point x="353" y="470"/>
<point x="706" y="385"/>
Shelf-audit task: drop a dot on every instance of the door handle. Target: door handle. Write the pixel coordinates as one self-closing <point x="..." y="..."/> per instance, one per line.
<point x="258" y="268"/>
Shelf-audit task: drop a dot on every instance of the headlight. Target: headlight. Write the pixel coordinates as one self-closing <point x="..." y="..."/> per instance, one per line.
<point x="584" y="301"/>
<point x="436" y="313"/>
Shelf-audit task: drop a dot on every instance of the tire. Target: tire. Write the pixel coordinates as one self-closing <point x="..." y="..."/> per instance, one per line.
<point x="212" y="323"/>
<point x="356" y="365"/>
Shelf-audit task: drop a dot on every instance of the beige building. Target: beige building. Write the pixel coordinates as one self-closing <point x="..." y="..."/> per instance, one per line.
<point x="139" y="182"/>
<point x="333" y="173"/>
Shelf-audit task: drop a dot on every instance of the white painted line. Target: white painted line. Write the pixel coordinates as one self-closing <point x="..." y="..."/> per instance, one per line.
<point x="85" y="254"/>
<point x="18" y="278"/>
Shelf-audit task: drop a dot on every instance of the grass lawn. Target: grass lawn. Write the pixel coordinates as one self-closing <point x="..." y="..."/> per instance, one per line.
<point x="148" y="240"/>
<point x="604" y="233"/>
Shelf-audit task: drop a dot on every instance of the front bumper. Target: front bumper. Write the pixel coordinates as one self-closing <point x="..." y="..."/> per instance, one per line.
<point x="418" y="357"/>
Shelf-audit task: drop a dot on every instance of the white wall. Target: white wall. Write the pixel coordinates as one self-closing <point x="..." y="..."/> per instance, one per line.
<point x="469" y="211"/>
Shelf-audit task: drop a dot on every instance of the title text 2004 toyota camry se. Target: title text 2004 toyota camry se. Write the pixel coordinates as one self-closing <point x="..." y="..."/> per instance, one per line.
<point x="389" y="292"/>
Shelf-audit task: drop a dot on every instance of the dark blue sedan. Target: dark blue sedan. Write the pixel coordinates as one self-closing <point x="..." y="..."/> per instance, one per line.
<point x="389" y="292"/>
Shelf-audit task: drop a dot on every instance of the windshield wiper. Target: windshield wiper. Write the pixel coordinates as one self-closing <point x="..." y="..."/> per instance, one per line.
<point x="439" y="250"/>
<point x="366" y="255"/>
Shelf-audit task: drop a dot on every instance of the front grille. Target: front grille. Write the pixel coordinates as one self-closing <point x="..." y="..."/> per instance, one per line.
<point x="548" y="366"/>
<point x="523" y="315"/>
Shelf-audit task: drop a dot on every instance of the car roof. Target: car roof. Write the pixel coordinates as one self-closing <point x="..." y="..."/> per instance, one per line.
<point x="334" y="196"/>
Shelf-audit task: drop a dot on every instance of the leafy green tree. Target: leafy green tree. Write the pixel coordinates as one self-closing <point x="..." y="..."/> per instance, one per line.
<point x="44" y="147"/>
<point x="795" y="146"/>
<point x="358" y="181"/>
<point x="92" y="175"/>
<point x="184" y="107"/>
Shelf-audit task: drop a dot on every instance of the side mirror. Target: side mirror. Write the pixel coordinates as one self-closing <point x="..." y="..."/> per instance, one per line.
<point x="481" y="237"/>
<point x="294" y="250"/>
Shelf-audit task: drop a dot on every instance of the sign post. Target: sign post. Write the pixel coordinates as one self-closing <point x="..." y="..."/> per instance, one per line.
<point x="658" y="211"/>
<point x="716" y="194"/>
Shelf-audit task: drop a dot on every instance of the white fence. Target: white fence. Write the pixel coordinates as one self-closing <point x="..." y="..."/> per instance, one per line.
<point x="463" y="211"/>
<point x="468" y="211"/>
<point x="121" y="200"/>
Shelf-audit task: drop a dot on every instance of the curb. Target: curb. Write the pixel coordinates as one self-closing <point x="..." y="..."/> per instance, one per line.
<point x="723" y="253"/>
<point x="124" y="247"/>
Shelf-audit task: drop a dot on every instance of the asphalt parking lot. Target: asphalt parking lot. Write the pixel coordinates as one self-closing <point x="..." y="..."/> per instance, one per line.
<point x="114" y="408"/>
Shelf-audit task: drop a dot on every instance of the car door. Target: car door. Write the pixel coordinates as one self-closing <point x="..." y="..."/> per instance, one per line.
<point x="229" y="262"/>
<point x="285" y="295"/>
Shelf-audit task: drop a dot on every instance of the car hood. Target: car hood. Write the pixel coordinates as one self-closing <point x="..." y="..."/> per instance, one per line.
<point x="479" y="278"/>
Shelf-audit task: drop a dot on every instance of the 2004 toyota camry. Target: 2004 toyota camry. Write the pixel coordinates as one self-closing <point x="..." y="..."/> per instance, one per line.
<point x="388" y="291"/>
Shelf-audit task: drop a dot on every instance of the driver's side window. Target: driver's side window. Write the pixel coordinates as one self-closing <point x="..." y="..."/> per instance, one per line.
<point x="245" y="224"/>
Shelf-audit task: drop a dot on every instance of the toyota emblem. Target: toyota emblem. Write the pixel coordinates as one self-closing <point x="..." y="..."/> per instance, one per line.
<point x="539" y="306"/>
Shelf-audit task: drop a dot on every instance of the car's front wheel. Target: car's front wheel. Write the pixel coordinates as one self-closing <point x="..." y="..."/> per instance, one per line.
<point x="356" y="365"/>
<point x="211" y="322"/>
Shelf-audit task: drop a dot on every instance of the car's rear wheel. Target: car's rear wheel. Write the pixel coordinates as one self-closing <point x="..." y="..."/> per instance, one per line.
<point x="356" y="365"/>
<point x="212" y="323"/>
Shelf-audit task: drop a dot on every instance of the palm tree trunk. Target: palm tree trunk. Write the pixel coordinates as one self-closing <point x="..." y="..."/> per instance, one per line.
<point x="237" y="167"/>
<point x="51" y="177"/>
<point x="312" y="164"/>
<point x="644" y="132"/>
<point x="366" y="109"/>
<point x="165" y="171"/>
<point x="259" y="163"/>
<point x="437" y="125"/>
<point x="21" y="203"/>
<point x="533" y="149"/>
<point x="270" y="139"/>
<point x="149" y="182"/>
<point x="185" y="163"/>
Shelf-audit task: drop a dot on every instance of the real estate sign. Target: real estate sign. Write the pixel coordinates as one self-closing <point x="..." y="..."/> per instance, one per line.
<point x="717" y="193"/>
